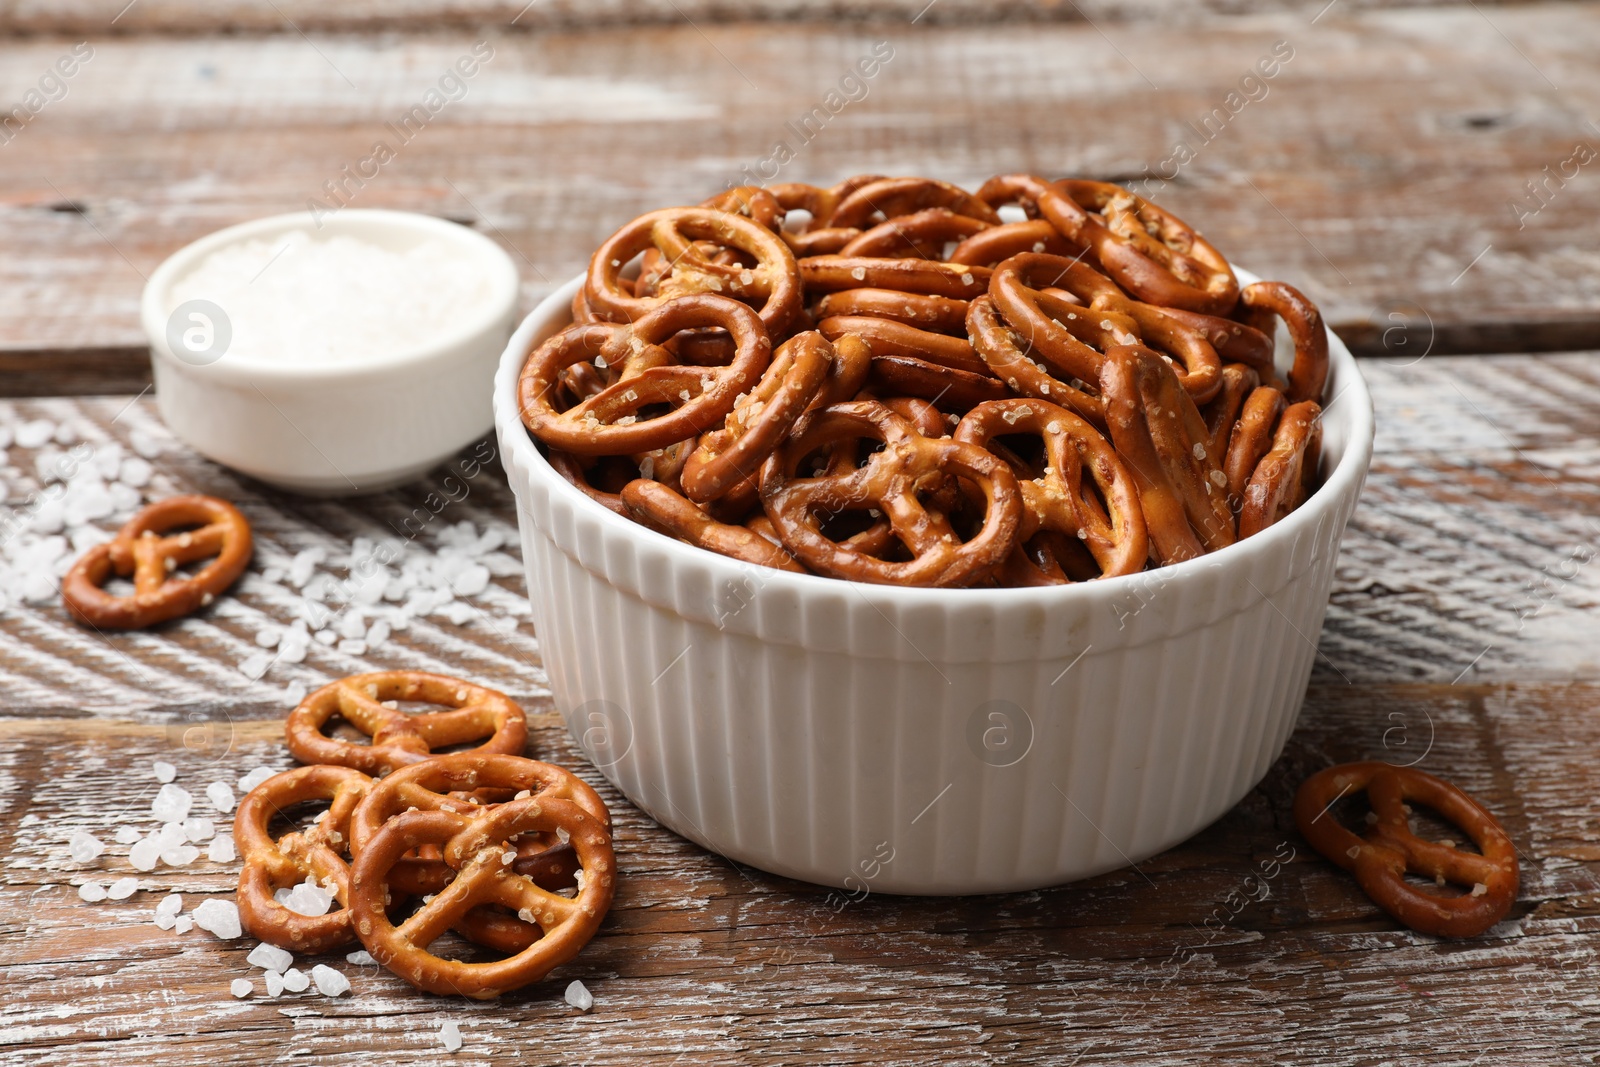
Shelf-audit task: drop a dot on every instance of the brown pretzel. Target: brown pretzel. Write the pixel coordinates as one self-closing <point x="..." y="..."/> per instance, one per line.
<point x="609" y="423"/>
<point x="951" y="388"/>
<point x="1222" y="413"/>
<point x="759" y="419"/>
<point x="1009" y="357"/>
<point x="400" y="738"/>
<point x="889" y="481"/>
<point x="889" y="338"/>
<point x="316" y="852"/>
<point x="893" y="197"/>
<point x="930" y="277"/>
<point x="1038" y="198"/>
<point x="1310" y="371"/>
<point x="1069" y="337"/>
<point x="1389" y="850"/>
<point x="678" y="516"/>
<point x="1059" y="499"/>
<point x="1234" y="342"/>
<point x="481" y="851"/>
<point x="773" y="282"/>
<point x="753" y="202"/>
<point x="940" y="314"/>
<point x="988" y="248"/>
<point x="1151" y="252"/>
<point x="1280" y="479"/>
<point x="146" y="551"/>
<point x="600" y="478"/>
<point x="923" y="235"/>
<point x="1250" y="439"/>
<point x="1160" y="435"/>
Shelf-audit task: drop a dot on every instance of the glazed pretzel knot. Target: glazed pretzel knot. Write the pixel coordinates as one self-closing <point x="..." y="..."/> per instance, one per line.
<point x="1159" y="433"/>
<point x="773" y="280"/>
<point x="400" y="738"/>
<point x="316" y="852"/>
<point x="889" y="481"/>
<point x="1059" y="499"/>
<point x="480" y="853"/>
<point x="613" y="420"/>
<point x="1389" y="851"/>
<point x="144" y="549"/>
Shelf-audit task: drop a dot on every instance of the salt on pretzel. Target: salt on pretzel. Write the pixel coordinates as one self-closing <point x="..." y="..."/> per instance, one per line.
<point x="1381" y="858"/>
<point x="929" y="277"/>
<point x="147" y="550"/>
<point x="1009" y="355"/>
<point x="399" y="738"/>
<point x="1261" y="301"/>
<point x="1250" y="439"/>
<point x="889" y="481"/>
<point x="610" y="422"/>
<point x="990" y="247"/>
<point x="889" y="338"/>
<point x="1151" y="252"/>
<point x="1059" y="498"/>
<point x="923" y="234"/>
<point x="940" y="314"/>
<point x="773" y="281"/>
<point x="759" y="419"/>
<point x="1278" y="484"/>
<point x="1222" y="413"/>
<point x="316" y="852"/>
<point x="1160" y="435"/>
<point x="888" y="198"/>
<point x="678" y="516"/>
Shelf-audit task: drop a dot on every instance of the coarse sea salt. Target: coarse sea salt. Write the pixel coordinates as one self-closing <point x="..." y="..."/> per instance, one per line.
<point x="274" y="983"/>
<point x="122" y="889"/>
<point x="255" y="778"/>
<point x="221" y="849"/>
<point x="218" y="917"/>
<point x="579" y="997"/>
<point x="241" y="987"/>
<point x="450" y="1035"/>
<point x="350" y="299"/>
<point x="270" y="958"/>
<point x="221" y="797"/>
<point x="330" y="983"/>
<point x="93" y="892"/>
<point x="296" y="980"/>
<point x="165" y="772"/>
<point x="84" y="847"/>
<point x="171" y="803"/>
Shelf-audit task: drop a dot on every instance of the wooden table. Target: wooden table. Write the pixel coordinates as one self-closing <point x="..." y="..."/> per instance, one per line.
<point x="1380" y="172"/>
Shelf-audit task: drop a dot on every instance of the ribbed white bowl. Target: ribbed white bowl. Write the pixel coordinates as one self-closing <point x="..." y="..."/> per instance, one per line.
<point x="917" y="740"/>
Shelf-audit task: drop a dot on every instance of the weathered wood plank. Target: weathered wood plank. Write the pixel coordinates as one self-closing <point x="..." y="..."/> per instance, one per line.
<point x="702" y="962"/>
<point x="1379" y="171"/>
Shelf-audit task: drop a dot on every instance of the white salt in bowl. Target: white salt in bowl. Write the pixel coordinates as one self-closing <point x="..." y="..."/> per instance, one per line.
<point x="340" y="355"/>
<point x="945" y="741"/>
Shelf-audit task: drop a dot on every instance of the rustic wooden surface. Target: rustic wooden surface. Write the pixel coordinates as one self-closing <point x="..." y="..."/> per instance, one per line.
<point x="1378" y="172"/>
<point x="1462" y="632"/>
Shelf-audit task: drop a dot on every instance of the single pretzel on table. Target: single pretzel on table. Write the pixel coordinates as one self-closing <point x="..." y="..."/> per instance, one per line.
<point x="1160" y="435"/>
<point x="399" y="738"/>
<point x="1060" y="499"/>
<point x="147" y="550"/>
<point x="316" y="852"/>
<point x="611" y="421"/>
<point x="1381" y="858"/>
<point x="889" y="482"/>
<point x="773" y="281"/>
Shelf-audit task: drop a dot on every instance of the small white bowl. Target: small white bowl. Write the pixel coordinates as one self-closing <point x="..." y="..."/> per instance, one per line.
<point x="356" y="426"/>
<point x="895" y="740"/>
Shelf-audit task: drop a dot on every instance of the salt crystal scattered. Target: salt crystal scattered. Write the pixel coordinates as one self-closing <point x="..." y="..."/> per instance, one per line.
<point x="296" y="980"/>
<point x="579" y="996"/>
<point x="93" y="892"/>
<point x="294" y="693"/>
<point x="34" y="434"/>
<point x="242" y="988"/>
<point x="470" y="582"/>
<point x="269" y="636"/>
<point x="135" y="471"/>
<point x="219" y="917"/>
<point x="255" y="778"/>
<point x="270" y="958"/>
<point x="183" y="925"/>
<point x="180" y="855"/>
<point x="360" y="958"/>
<point x="171" y="803"/>
<point x="327" y="637"/>
<point x="221" y="797"/>
<point x="330" y="983"/>
<point x="170" y="905"/>
<point x="353" y="648"/>
<point x="165" y="772"/>
<point x="122" y="889"/>
<point x="274" y="983"/>
<point x="450" y="1035"/>
<point x="308" y="898"/>
<point x="146" y="853"/>
<point x="255" y="665"/>
<point x="377" y="633"/>
<point x="199" y="830"/>
<point x="221" y="850"/>
<point x="352" y="625"/>
<point x="85" y="847"/>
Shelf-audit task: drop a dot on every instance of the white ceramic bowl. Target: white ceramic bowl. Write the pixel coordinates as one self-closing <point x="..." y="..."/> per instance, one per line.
<point x="924" y="740"/>
<point x="356" y="426"/>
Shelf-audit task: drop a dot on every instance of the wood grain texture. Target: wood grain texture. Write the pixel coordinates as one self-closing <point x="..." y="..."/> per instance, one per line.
<point x="1379" y="171"/>
<point x="704" y="962"/>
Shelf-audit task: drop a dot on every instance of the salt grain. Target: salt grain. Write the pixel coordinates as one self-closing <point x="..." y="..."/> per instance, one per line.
<point x="308" y="898"/>
<point x="122" y="889"/>
<point x="179" y="855"/>
<point x="330" y="983"/>
<point x="255" y="665"/>
<point x="361" y="958"/>
<point x="146" y="853"/>
<point x="199" y="830"/>
<point x="183" y="925"/>
<point x="274" y="983"/>
<point x="221" y="850"/>
<point x="450" y="1035"/>
<point x="579" y="996"/>
<point x="170" y="905"/>
<point x="221" y="797"/>
<point x="242" y="988"/>
<point x="165" y="772"/>
<point x="270" y="958"/>
<point x="294" y="693"/>
<point x="296" y="980"/>
<point x="85" y="847"/>
<point x="93" y="892"/>
<point x="269" y="636"/>
<point x="255" y="778"/>
<point x="171" y="803"/>
<point x="219" y="917"/>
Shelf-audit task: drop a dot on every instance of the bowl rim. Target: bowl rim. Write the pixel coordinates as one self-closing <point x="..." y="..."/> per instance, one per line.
<point x="1343" y="482"/>
<point x="498" y="269"/>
